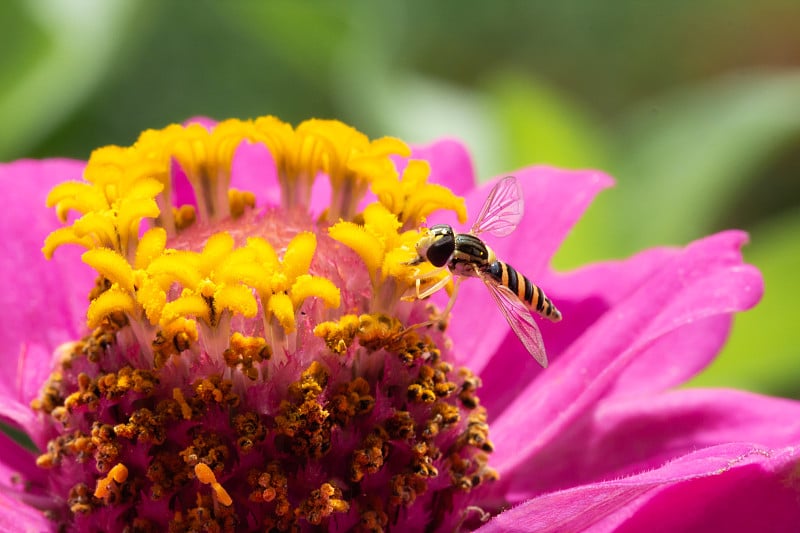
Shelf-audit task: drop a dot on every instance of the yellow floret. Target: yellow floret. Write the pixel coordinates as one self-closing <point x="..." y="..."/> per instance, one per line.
<point x="151" y="245"/>
<point x="114" y="300"/>
<point x="281" y="307"/>
<point x="299" y="252"/>
<point x="307" y="286"/>
<point x="112" y="266"/>
<point x="63" y="236"/>
<point x="237" y="299"/>
<point x="412" y="198"/>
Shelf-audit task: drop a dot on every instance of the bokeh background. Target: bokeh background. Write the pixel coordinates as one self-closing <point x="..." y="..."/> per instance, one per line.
<point x="693" y="105"/>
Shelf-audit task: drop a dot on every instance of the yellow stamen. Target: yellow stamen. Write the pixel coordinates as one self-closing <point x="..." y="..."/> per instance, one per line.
<point x="63" y="236"/>
<point x="281" y="307"/>
<point x="299" y="252"/>
<point x="368" y="246"/>
<point x="237" y="299"/>
<point x="150" y="246"/>
<point x="114" y="300"/>
<point x="184" y="306"/>
<point x="307" y="286"/>
<point x="283" y="285"/>
<point x="112" y="266"/>
<point x="412" y="199"/>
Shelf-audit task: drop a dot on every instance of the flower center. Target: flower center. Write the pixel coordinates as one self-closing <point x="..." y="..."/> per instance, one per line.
<point x="257" y="368"/>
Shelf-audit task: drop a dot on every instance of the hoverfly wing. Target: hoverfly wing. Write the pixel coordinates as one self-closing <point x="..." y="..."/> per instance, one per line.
<point x="502" y="210"/>
<point x="519" y="318"/>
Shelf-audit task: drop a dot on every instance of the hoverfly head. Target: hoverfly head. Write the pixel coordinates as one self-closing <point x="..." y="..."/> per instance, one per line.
<point x="437" y="245"/>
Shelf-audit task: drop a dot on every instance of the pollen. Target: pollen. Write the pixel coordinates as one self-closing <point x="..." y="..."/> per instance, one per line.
<point x="247" y="354"/>
<point x="352" y="399"/>
<point x="339" y="335"/>
<point x="109" y="484"/>
<point x="322" y="503"/>
<point x="370" y="457"/>
<point x="206" y="476"/>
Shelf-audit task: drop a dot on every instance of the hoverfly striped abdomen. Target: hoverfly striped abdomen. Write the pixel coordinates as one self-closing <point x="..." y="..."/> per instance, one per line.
<point x="524" y="289"/>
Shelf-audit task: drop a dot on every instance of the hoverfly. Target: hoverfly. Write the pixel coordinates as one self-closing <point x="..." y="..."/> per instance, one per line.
<point x="466" y="255"/>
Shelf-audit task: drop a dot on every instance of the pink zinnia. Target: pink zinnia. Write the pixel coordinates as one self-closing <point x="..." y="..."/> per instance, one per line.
<point x="252" y="356"/>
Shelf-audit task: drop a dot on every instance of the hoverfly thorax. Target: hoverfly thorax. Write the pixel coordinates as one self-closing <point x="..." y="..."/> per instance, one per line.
<point x="438" y="246"/>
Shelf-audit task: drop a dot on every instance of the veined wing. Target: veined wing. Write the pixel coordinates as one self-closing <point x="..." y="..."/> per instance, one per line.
<point x="502" y="210"/>
<point x="519" y="318"/>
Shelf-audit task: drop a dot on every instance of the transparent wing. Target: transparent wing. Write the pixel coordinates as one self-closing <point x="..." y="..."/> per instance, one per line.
<point x="519" y="318"/>
<point x="502" y="210"/>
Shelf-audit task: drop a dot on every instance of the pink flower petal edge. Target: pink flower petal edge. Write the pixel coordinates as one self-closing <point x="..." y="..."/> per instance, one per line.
<point x="735" y="487"/>
<point x="623" y="437"/>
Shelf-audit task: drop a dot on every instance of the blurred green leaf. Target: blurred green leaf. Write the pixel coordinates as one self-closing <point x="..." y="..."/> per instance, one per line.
<point x="19" y="436"/>
<point x="763" y="352"/>
<point x="55" y="52"/>
<point x="308" y="33"/>
<point x="684" y="159"/>
<point x="541" y="125"/>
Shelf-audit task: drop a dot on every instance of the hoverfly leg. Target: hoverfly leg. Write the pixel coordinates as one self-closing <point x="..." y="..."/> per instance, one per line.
<point x="451" y="302"/>
<point x="418" y="294"/>
<point x="433" y="288"/>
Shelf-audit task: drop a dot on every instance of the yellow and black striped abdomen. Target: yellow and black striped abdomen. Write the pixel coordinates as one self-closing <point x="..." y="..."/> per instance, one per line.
<point x="528" y="293"/>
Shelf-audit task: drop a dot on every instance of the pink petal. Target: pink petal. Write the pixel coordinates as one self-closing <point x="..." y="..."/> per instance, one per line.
<point x="731" y="488"/>
<point x="704" y="281"/>
<point x="207" y="122"/>
<point x="554" y="200"/>
<point x="18" y="466"/>
<point x="182" y="190"/>
<point x="17" y="516"/>
<point x="44" y="302"/>
<point x="20" y="385"/>
<point x="626" y="436"/>
<point x="451" y="164"/>
<point x="254" y="170"/>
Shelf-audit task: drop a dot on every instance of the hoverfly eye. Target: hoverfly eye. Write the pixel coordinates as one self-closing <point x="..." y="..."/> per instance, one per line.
<point x="440" y="251"/>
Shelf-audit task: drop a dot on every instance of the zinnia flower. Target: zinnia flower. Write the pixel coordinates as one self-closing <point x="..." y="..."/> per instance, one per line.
<point x="251" y="355"/>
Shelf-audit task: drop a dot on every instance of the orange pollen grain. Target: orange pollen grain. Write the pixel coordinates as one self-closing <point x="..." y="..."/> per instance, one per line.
<point x="206" y="476"/>
<point x="118" y="474"/>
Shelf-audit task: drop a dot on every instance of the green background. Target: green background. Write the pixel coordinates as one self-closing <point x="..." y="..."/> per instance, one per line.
<point x="693" y="105"/>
